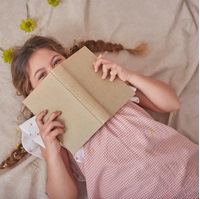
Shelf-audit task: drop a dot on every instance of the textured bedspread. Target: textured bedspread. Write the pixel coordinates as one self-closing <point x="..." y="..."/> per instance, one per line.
<point x="169" y="27"/>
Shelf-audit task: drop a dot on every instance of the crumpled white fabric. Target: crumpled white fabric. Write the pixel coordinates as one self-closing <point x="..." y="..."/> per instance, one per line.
<point x="31" y="140"/>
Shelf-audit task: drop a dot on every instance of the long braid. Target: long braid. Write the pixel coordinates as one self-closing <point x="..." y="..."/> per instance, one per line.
<point x="101" y="46"/>
<point x="15" y="156"/>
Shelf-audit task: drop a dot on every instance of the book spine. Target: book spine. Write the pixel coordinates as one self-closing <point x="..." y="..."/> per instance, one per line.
<point x="81" y="94"/>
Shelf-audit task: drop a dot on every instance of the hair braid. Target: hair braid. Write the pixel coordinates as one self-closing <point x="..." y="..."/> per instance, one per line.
<point x="101" y="46"/>
<point x="15" y="156"/>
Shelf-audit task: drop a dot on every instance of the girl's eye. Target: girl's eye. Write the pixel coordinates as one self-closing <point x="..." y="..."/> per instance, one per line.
<point x="42" y="75"/>
<point x="56" y="62"/>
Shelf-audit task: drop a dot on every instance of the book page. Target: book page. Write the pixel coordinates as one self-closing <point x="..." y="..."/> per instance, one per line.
<point x="81" y="94"/>
<point x="111" y="95"/>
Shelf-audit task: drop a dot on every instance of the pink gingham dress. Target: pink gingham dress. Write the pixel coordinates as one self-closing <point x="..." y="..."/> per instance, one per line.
<point x="134" y="156"/>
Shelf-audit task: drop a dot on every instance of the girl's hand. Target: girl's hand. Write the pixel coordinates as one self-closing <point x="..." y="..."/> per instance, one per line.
<point x="49" y="130"/>
<point x="154" y="94"/>
<point x="111" y="69"/>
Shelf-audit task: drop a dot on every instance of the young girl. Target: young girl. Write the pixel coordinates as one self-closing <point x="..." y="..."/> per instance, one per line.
<point x="131" y="155"/>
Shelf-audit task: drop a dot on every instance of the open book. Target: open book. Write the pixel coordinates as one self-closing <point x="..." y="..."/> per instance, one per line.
<point x="86" y="101"/>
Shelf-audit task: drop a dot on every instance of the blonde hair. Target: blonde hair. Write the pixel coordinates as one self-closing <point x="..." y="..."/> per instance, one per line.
<point x="14" y="157"/>
<point x="21" y="58"/>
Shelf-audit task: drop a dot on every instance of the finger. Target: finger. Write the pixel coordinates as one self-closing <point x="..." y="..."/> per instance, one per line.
<point x="53" y="125"/>
<point x="40" y="117"/>
<point x="56" y="132"/>
<point x="112" y="75"/>
<point x="100" y="56"/>
<point x="99" y="63"/>
<point x="105" y="69"/>
<point x="53" y="116"/>
<point x="53" y="134"/>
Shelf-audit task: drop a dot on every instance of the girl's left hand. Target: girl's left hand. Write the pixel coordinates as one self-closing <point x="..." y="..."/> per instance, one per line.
<point x="111" y="68"/>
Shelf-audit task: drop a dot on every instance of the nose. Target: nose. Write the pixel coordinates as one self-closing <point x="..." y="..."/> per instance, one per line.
<point x="49" y="69"/>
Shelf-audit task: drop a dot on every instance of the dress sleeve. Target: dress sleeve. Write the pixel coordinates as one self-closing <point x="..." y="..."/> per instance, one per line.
<point x="31" y="139"/>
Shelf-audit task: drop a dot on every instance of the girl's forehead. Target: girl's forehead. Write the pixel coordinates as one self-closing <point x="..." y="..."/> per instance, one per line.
<point x="42" y="53"/>
<point x="41" y="56"/>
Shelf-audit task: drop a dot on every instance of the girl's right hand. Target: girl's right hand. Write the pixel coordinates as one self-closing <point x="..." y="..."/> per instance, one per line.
<point x="111" y="69"/>
<point x="49" y="131"/>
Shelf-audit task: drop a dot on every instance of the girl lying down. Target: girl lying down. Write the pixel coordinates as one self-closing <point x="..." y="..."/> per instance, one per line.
<point x="131" y="155"/>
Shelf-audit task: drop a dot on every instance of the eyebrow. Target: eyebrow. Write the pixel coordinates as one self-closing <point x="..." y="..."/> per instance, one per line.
<point x="44" y="67"/>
